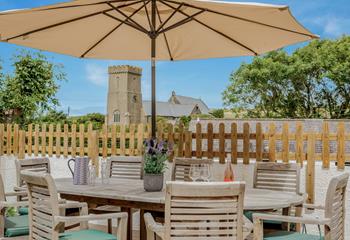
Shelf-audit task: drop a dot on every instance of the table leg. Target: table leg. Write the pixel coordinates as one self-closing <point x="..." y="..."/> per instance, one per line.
<point x="285" y="212"/>
<point x="298" y="212"/>
<point x="143" y="234"/>
<point x="129" y="232"/>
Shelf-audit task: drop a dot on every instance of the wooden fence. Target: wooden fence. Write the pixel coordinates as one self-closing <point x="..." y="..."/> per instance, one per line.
<point x="78" y="140"/>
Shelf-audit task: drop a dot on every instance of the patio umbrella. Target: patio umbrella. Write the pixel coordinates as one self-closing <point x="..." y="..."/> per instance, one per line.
<point x="153" y="30"/>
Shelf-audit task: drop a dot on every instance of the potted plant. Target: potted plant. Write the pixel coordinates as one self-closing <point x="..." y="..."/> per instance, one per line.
<point x="155" y="163"/>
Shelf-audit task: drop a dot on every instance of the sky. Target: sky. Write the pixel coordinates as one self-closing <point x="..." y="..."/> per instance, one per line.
<point x="86" y="87"/>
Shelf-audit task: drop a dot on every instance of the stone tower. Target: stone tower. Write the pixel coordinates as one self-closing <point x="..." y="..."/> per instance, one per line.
<point x="124" y="103"/>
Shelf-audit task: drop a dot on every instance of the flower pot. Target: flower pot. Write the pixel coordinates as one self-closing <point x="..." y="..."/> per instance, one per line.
<point x="153" y="182"/>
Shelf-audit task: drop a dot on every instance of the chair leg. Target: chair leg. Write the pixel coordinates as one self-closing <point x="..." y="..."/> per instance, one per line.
<point x="109" y="226"/>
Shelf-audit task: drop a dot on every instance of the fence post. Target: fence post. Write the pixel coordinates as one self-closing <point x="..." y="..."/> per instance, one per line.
<point x="104" y="136"/>
<point x="259" y="141"/>
<point x="341" y="145"/>
<point x="21" y="144"/>
<point x="180" y="148"/>
<point x="15" y="139"/>
<point x="113" y="140"/>
<point x="246" y="143"/>
<point x="325" y="146"/>
<point x="285" y="143"/>
<point x="198" y="140"/>
<point x="30" y="139"/>
<point x="310" y="168"/>
<point x="93" y="146"/>
<point x="1" y="139"/>
<point x="188" y="144"/>
<point x="222" y="153"/>
<point x="58" y="140"/>
<point x="210" y="140"/>
<point x="8" y="139"/>
<point x="272" y="142"/>
<point x="43" y="140"/>
<point x="74" y="140"/>
<point x="171" y="140"/>
<point x="65" y="140"/>
<point x="81" y="140"/>
<point x="234" y="143"/>
<point x="36" y="140"/>
<point x="50" y="150"/>
<point x="299" y="142"/>
<point x="132" y="139"/>
<point x="122" y="139"/>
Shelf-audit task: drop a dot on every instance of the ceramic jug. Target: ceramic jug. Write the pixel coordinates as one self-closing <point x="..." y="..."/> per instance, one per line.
<point x="81" y="170"/>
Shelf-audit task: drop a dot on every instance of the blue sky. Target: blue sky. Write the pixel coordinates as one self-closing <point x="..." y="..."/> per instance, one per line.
<point x="86" y="86"/>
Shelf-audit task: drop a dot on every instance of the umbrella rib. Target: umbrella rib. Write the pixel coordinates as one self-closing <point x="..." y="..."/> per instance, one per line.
<point x="148" y="18"/>
<point x="171" y="15"/>
<point x="164" y="35"/>
<point x="126" y="22"/>
<point x="109" y="33"/>
<point x="245" y="19"/>
<point x="57" y="24"/>
<point x="127" y="18"/>
<point x="214" y="30"/>
<point x="182" y="22"/>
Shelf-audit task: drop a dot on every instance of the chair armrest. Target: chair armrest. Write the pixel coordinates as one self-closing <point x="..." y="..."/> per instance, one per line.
<point x="71" y="204"/>
<point x="85" y="218"/>
<point x="313" y="206"/>
<point x="15" y="194"/>
<point x="153" y="227"/>
<point x="6" y="204"/>
<point x="290" y="219"/>
<point x="21" y="189"/>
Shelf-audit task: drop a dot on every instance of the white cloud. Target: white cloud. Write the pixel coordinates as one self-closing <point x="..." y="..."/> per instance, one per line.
<point x="97" y="74"/>
<point x="333" y="26"/>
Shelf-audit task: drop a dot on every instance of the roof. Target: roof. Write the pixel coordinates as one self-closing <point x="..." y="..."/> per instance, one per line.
<point x="167" y="109"/>
<point x="183" y="100"/>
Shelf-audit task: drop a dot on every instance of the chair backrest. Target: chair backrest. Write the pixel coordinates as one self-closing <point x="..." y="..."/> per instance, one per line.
<point x="277" y="176"/>
<point x="335" y="207"/>
<point x="32" y="164"/>
<point x="126" y="167"/>
<point x="197" y="210"/>
<point x="43" y="204"/>
<point x="181" y="168"/>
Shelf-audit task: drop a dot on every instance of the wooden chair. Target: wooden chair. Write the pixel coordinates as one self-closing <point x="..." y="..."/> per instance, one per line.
<point x="277" y="176"/>
<point x="197" y="210"/>
<point x="13" y="225"/>
<point x="46" y="219"/>
<point x="283" y="177"/>
<point x="126" y="167"/>
<point x="181" y="168"/>
<point x="121" y="167"/>
<point x="31" y="164"/>
<point x="333" y="219"/>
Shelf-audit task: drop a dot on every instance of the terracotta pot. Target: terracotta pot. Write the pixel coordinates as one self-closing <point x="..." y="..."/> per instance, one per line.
<point x="153" y="182"/>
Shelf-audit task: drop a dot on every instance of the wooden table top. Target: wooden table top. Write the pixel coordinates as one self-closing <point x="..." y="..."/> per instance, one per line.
<point x="132" y="190"/>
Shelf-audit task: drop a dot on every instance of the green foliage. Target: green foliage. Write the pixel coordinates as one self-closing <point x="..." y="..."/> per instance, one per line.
<point x="11" y="212"/>
<point x="30" y="90"/>
<point x="218" y="113"/>
<point x="155" y="164"/>
<point x="185" y="120"/>
<point x="312" y="82"/>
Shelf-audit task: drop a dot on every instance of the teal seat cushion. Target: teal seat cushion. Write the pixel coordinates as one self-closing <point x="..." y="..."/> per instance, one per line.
<point x="23" y="211"/>
<point x="87" y="235"/>
<point x="283" y="235"/>
<point x="16" y="226"/>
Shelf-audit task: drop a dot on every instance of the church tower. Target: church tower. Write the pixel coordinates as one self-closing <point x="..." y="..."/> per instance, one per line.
<point x="124" y="102"/>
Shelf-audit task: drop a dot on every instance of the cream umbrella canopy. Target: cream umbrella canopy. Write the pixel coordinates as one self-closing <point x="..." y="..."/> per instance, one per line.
<point x="153" y="30"/>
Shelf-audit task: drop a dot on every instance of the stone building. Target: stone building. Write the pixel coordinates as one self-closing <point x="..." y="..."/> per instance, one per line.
<point x="125" y="105"/>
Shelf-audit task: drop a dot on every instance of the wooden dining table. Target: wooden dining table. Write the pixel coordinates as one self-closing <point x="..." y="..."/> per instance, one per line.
<point x="130" y="194"/>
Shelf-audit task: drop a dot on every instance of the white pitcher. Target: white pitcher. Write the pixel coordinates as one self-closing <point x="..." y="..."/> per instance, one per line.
<point x="81" y="170"/>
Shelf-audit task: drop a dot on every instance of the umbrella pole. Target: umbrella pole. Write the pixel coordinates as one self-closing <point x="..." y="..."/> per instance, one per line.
<point x="153" y="64"/>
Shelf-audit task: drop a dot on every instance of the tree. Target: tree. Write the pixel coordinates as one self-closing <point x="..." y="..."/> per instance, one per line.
<point x="312" y="82"/>
<point x="31" y="90"/>
<point x="217" y="113"/>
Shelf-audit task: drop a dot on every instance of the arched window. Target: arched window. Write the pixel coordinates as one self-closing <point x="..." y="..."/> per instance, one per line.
<point x="116" y="116"/>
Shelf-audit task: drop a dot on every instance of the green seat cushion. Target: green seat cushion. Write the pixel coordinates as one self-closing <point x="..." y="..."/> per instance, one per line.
<point x="270" y="224"/>
<point x="284" y="235"/>
<point x="87" y="235"/>
<point x="16" y="226"/>
<point x="23" y="211"/>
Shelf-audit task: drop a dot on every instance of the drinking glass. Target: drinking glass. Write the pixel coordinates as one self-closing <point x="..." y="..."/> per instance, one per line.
<point x="104" y="172"/>
<point x="92" y="175"/>
<point x="195" y="172"/>
<point x="205" y="172"/>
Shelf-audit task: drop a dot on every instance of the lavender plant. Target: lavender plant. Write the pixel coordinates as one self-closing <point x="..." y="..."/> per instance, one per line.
<point x="156" y="155"/>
